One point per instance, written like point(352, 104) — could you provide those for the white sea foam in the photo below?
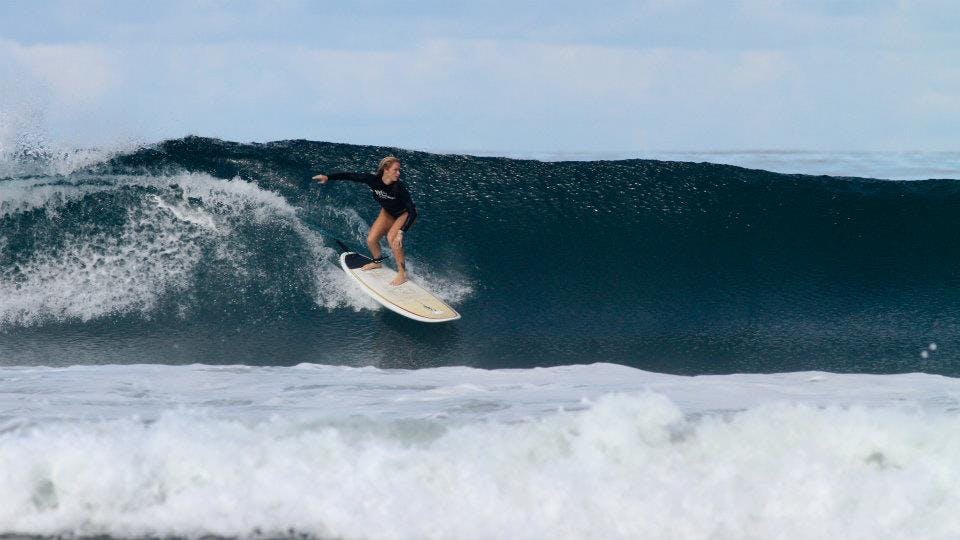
point(452, 288)
point(597, 451)
point(332, 288)
point(92, 274)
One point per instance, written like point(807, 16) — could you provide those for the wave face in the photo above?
point(598, 451)
point(200, 250)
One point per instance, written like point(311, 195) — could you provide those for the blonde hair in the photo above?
point(385, 164)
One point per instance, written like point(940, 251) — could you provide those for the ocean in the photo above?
point(714, 345)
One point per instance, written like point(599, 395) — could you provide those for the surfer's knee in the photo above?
point(394, 242)
point(374, 236)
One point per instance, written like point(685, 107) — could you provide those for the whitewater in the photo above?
point(598, 451)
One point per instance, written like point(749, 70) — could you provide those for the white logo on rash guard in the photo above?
point(383, 194)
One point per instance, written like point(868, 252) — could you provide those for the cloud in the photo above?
point(939, 103)
point(75, 74)
point(622, 75)
point(478, 73)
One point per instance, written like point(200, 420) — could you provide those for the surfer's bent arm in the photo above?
point(411, 208)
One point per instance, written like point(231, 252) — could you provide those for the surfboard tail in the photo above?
point(343, 247)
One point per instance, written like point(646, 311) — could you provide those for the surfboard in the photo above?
point(407, 299)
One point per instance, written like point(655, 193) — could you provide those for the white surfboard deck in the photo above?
point(408, 299)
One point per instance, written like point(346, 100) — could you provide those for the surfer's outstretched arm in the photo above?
point(353, 177)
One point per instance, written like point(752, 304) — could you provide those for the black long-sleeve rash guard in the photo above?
point(395, 198)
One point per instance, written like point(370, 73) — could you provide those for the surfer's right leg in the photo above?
point(377, 231)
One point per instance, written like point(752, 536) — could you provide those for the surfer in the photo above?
point(397, 212)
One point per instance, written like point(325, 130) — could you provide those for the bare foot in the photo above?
point(371, 266)
point(399, 280)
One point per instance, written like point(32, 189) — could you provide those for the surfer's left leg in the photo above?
point(395, 237)
point(379, 228)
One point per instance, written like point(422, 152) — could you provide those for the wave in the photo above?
point(669, 266)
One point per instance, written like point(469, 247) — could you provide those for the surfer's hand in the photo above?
point(322, 178)
point(397, 241)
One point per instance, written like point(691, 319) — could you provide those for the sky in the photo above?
point(491, 76)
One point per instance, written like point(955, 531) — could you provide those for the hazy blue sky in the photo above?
point(499, 75)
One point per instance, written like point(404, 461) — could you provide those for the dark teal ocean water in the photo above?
point(204, 251)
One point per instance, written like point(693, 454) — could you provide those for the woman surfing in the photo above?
point(397, 212)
